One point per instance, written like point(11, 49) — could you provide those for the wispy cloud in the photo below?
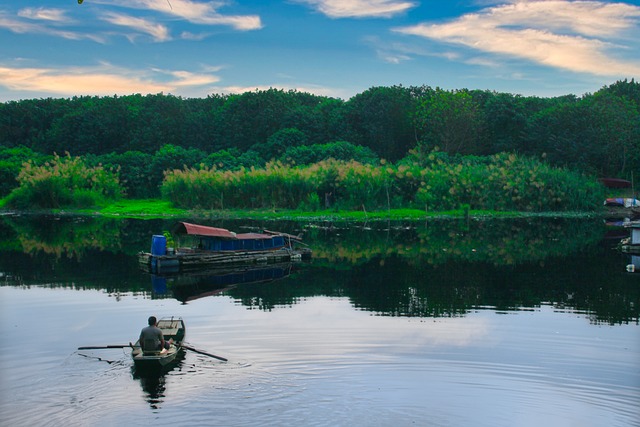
point(28, 27)
point(55, 22)
point(45, 14)
point(582, 36)
point(359, 8)
point(160, 33)
point(204, 13)
point(101, 80)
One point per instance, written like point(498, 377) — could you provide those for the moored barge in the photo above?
point(215, 247)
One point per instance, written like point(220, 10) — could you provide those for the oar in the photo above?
point(105, 346)
point(99, 358)
point(195, 350)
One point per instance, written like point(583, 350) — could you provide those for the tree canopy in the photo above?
point(596, 133)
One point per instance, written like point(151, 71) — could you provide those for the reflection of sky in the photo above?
point(328, 325)
point(319, 359)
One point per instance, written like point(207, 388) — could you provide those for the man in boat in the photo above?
point(153, 333)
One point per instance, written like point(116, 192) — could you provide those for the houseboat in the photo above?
point(216, 247)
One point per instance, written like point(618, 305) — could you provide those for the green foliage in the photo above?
point(595, 133)
point(280, 141)
point(233, 159)
point(381, 118)
point(169, 237)
point(63, 182)
point(134, 171)
point(339, 150)
point(311, 204)
point(172, 157)
point(450, 121)
point(504, 182)
point(11, 161)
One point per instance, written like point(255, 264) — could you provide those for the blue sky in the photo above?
point(337, 48)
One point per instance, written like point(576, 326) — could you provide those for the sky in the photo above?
point(335, 48)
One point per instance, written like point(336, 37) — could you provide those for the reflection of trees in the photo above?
point(498, 242)
point(441, 269)
point(83, 253)
point(395, 286)
point(68, 237)
point(402, 288)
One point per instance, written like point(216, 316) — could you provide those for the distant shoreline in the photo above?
point(158, 209)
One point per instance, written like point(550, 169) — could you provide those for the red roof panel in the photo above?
point(202, 230)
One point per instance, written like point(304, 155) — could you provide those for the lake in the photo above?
point(486, 322)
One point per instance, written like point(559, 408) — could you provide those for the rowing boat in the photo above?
point(174, 331)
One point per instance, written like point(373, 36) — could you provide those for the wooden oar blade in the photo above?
point(98, 347)
point(195, 350)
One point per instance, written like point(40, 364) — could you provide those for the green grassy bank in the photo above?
point(155, 208)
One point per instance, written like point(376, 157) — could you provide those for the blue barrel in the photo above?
point(159, 284)
point(158, 245)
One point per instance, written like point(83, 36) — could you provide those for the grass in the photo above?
point(144, 208)
point(155, 208)
point(151, 208)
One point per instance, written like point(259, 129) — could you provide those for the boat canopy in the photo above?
point(202, 230)
point(220, 233)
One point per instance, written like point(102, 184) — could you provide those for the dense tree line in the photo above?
point(388, 120)
point(143, 136)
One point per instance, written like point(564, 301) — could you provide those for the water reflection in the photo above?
point(433, 269)
point(153, 380)
point(496, 241)
point(189, 286)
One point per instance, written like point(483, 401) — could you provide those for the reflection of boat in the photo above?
point(152, 359)
point(634, 266)
point(219, 247)
point(187, 287)
point(153, 381)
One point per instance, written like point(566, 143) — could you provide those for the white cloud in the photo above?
point(359, 8)
point(23, 27)
point(186, 35)
point(195, 12)
point(159, 32)
point(50, 20)
point(579, 36)
point(41, 13)
point(101, 80)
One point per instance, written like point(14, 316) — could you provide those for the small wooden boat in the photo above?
point(174, 331)
point(615, 183)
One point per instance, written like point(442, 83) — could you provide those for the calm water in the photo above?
point(446, 323)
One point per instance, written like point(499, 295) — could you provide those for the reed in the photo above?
point(503, 182)
point(64, 181)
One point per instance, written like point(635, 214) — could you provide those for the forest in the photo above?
point(424, 146)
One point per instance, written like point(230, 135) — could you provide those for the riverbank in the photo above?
point(154, 208)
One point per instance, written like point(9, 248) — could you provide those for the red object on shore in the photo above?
point(615, 183)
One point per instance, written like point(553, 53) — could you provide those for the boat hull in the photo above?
point(189, 261)
point(159, 361)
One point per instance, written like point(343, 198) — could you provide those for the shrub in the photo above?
point(437, 182)
point(63, 182)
